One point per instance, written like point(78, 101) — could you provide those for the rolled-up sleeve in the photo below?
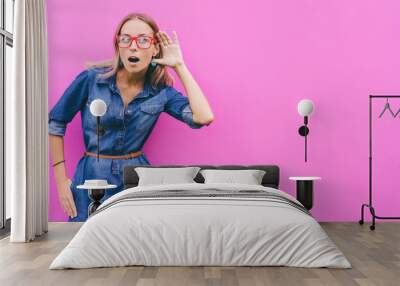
point(69, 104)
point(178, 106)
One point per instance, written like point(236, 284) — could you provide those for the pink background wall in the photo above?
point(255, 60)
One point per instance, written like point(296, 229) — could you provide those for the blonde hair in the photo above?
point(158, 76)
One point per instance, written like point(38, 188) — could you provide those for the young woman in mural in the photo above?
point(136, 87)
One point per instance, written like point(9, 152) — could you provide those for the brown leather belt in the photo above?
point(127, 156)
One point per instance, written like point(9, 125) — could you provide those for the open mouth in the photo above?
point(133, 59)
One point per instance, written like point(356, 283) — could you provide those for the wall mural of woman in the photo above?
point(136, 87)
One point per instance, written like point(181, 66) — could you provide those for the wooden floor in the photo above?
point(374, 255)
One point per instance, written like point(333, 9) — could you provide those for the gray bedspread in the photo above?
point(201, 224)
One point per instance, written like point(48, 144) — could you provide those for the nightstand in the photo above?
point(96, 191)
point(304, 190)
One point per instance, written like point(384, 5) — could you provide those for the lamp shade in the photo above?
point(98, 107)
point(305, 107)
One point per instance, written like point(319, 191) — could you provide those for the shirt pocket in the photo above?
point(148, 115)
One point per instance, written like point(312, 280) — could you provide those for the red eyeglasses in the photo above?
point(142, 41)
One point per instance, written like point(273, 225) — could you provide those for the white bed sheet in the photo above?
point(192, 231)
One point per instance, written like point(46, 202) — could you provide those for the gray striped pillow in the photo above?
point(161, 176)
point(248, 176)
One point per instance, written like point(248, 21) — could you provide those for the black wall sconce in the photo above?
point(305, 108)
point(98, 108)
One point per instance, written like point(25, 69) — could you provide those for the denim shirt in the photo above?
point(124, 129)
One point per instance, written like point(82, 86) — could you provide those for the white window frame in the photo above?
point(6, 39)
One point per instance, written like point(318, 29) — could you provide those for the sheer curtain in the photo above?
point(26, 124)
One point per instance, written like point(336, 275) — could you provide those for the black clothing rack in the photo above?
point(369, 205)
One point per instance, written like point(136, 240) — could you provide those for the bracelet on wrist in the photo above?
point(58, 163)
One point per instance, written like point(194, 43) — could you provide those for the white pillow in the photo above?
point(247, 176)
point(167, 175)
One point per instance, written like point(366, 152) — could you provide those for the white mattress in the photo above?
point(202, 231)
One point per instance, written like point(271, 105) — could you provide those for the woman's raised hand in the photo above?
point(65, 197)
point(172, 54)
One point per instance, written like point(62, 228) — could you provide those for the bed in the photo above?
point(199, 224)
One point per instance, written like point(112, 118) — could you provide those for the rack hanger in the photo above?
point(387, 107)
